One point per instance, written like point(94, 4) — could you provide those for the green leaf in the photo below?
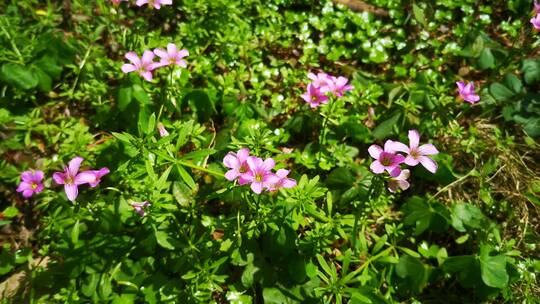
point(75, 233)
point(500, 92)
point(10, 212)
point(493, 269)
point(44, 80)
point(186, 177)
point(414, 271)
point(124, 97)
point(163, 239)
point(419, 15)
point(486, 60)
point(531, 71)
point(467, 215)
point(19, 76)
point(384, 129)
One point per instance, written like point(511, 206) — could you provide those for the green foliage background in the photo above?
point(467, 234)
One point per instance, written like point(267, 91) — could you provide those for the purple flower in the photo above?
point(337, 86)
point(536, 8)
point(143, 66)
point(171, 56)
point(259, 174)
point(237, 162)
point(320, 80)
point(93, 177)
point(399, 181)
point(70, 178)
point(139, 207)
point(417, 154)
point(535, 21)
point(385, 159)
point(466, 92)
point(162, 131)
point(314, 96)
point(31, 183)
point(154, 3)
point(280, 180)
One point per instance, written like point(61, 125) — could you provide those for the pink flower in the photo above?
point(237, 162)
point(139, 207)
point(154, 3)
point(171, 56)
point(535, 21)
point(320, 80)
point(385, 159)
point(337, 86)
point(399, 181)
point(536, 8)
point(70, 178)
point(144, 66)
point(117, 2)
point(314, 96)
point(280, 180)
point(466, 92)
point(30, 183)
point(259, 174)
point(417, 154)
point(162, 131)
point(93, 177)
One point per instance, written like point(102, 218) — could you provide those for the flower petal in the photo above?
point(230, 161)
point(74, 165)
point(394, 172)
point(232, 175)
point(86, 177)
point(414, 139)
point(242, 154)
point(288, 183)
point(268, 164)
point(376, 167)
point(396, 146)
point(59, 177)
point(257, 187)
point(72, 191)
point(375, 151)
point(428, 163)
point(411, 161)
point(161, 53)
point(428, 149)
point(133, 57)
point(127, 68)
point(147, 57)
point(171, 49)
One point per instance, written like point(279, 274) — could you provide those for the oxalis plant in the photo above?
point(226, 151)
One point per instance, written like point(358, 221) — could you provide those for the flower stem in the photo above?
point(189, 165)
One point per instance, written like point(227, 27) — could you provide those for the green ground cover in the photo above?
point(179, 214)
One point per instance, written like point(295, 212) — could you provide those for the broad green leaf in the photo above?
point(486, 60)
point(19, 76)
point(386, 128)
point(500, 92)
point(531, 70)
point(493, 269)
point(163, 239)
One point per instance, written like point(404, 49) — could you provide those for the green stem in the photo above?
point(323, 133)
point(189, 165)
point(13, 45)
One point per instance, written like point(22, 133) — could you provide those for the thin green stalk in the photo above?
point(13, 45)
point(189, 165)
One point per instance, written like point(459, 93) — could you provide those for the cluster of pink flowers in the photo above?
point(151, 3)
point(467, 93)
point(145, 65)
point(323, 84)
point(255, 171)
point(71, 178)
point(389, 160)
point(535, 21)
